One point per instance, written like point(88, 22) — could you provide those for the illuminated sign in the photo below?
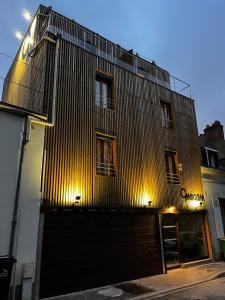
point(189, 196)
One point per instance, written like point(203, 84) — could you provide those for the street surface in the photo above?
point(212, 290)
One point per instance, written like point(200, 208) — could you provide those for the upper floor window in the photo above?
point(105, 155)
point(103, 88)
point(209, 156)
point(171, 167)
point(166, 114)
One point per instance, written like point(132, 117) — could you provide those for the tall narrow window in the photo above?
point(166, 114)
point(210, 156)
point(171, 167)
point(104, 92)
point(105, 156)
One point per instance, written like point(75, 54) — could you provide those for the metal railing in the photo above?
point(94, 43)
point(172, 178)
point(106, 169)
point(104, 102)
point(166, 123)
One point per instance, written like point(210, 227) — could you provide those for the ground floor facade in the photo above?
point(88, 248)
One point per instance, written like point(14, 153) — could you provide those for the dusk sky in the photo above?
point(185, 37)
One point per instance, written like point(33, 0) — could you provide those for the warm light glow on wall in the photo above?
point(146, 199)
point(194, 204)
point(171, 209)
point(73, 196)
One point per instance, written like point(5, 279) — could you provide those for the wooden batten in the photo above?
point(135, 122)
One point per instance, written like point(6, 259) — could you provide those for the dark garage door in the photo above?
point(87, 250)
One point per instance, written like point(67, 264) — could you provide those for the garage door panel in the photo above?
point(105, 249)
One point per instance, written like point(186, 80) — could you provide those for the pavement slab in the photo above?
point(152, 286)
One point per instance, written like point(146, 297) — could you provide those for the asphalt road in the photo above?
point(212, 290)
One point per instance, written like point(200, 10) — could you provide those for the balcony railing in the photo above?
point(172, 178)
point(104, 102)
point(78, 35)
point(105, 169)
point(166, 123)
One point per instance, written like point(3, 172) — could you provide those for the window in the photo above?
point(104, 92)
point(209, 156)
point(171, 167)
point(105, 156)
point(166, 114)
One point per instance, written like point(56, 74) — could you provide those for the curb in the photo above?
point(181, 287)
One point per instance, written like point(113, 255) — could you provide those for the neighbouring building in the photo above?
point(21, 152)
point(122, 195)
point(213, 177)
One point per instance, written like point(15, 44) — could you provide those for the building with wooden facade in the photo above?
point(122, 192)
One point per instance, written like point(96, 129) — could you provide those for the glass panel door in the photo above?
point(193, 244)
point(170, 241)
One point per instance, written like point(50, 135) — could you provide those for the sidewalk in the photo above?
point(151, 286)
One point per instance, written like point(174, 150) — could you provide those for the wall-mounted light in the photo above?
point(146, 200)
point(171, 209)
point(18, 35)
point(27, 15)
point(194, 204)
point(180, 167)
point(149, 204)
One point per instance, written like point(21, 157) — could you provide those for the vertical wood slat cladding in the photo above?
point(25, 81)
point(136, 125)
point(96, 249)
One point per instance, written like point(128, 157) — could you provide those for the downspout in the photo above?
point(16, 202)
point(51, 124)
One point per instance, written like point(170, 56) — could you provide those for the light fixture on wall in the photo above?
point(77, 199)
point(180, 167)
point(149, 204)
point(194, 204)
point(171, 209)
point(27, 15)
point(146, 200)
point(18, 35)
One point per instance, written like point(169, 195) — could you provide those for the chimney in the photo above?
point(214, 132)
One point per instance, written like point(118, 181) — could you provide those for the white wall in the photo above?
point(30, 195)
point(213, 191)
point(11, 129)
point(26, 239)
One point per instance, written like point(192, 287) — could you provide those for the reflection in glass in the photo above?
point(193, 243)
point(170, 241)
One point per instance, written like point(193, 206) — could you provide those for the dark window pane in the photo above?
point(171, 168)
point(104, 93)
point(105, 156)
point(192, 237)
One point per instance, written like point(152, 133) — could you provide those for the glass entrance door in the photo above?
point(184, 238)
point(170, 241)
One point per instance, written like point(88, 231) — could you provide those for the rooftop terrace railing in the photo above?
point(80, 36)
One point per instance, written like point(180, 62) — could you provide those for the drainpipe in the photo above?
point(52, 120)
point(16, 202)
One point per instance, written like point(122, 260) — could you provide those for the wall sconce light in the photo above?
point(149, 204)
point(77, 199)
point(27, 15)
point(171, 209)
point(18, 35)
point(180, 167)
point(194, 204)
